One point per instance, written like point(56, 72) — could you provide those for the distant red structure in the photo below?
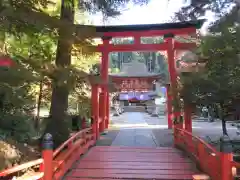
point(6, 61)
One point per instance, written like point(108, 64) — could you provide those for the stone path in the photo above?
point(159, 127)
point(140, 129)
point(134, 131)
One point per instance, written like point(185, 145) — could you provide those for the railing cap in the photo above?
point(47, 142)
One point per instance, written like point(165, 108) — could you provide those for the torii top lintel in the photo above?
point(186, 27)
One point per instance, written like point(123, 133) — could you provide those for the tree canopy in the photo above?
point(218, 84)
point(52, 59)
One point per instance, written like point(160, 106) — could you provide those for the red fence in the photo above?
point(60, 160)
point(218, 165)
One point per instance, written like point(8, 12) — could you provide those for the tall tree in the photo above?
point(60, 89)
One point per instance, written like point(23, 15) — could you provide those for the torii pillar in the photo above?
point(104, 101)
point(169, 40)
point(188, 118)
point(95, 109)
point(169, 107)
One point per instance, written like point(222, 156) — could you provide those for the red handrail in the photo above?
point(62, 146)
point(208, 158)
point(236, 164)
point(199, 139)
point(218, 165)
point(21, 167)
point(62, 159)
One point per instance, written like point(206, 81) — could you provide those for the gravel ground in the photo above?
point(164, 136)
point(201, 128)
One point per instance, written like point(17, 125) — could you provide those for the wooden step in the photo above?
point(133, 163)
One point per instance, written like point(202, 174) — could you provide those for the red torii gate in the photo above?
point(168, 31)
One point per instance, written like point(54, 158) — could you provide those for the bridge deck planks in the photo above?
point(127, 163)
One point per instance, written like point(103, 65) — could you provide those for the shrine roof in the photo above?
point(145, 27)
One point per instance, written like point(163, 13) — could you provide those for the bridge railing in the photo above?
point(218, 165)
point(54, 163)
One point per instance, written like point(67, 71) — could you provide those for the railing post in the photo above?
point(226, 158)
point(201, 154)
point(169, 108)
point(83, 123)
point(176, 136)
point(187, 118)
point(47, 155)
point(94, 127)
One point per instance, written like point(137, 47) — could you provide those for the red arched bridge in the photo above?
point(79, 159)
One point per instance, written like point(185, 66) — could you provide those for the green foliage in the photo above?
point(220, 80)
point(42, 39)
point(17, 126)
point(197, 8)
point(219, 84)
point(60, 132)
point(108, 8)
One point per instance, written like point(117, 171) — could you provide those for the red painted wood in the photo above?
point(107, 111)
point(137, 150)
point(102, 173)
point(187, 119)
point(144, 47)
point(132, 83)
point(139, 176)
point(6, 62)
point(72, 178)
point(127, 148)
point(101, 113)
point(226, 166)
point(95, 109)
point(135, 154)
point(166, 160)
point(151, 33)
point(104, 75)
point(135, 158)
point(169, 108)
point(133, 163)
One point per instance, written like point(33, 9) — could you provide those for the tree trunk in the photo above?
point(39, 102)
point(224, 126)
point(59, 101)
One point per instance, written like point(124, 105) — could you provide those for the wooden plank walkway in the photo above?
point(112, 162)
